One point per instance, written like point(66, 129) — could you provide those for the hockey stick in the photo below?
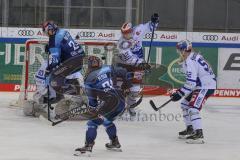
point(69, 114)
point(150, 47)
point(48, 93)
point(157, 108)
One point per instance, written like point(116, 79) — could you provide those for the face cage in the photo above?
point(128, 35)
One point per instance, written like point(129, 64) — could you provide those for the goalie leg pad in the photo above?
point(30, 108)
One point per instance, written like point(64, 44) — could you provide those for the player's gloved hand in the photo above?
point(177, 95)
point(144, 66)
point(126, 85)
point(155, 18)
point(92, 109)
point(47, 72)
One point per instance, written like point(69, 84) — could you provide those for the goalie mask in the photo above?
point(127, 30)
point(184, 47)
point(49, 28)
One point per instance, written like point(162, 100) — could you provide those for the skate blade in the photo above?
point(84, 154)
point(196, 141)
point(115, 149)
point(182, 137)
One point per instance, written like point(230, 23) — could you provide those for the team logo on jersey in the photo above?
point(175, 72)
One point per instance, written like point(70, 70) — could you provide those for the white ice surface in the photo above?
point(25, 138)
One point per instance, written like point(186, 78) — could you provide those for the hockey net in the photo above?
point(35, 55)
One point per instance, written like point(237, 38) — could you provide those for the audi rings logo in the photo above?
point(87, 34)
point(210, 37)
point(25, 32)
point(149, 36)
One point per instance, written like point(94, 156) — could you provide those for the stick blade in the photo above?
point(153, 105)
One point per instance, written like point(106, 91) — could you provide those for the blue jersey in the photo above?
point(62, 47)
point(102, 80)
point(98, 80)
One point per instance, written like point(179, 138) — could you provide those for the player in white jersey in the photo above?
point(200, 84)
point(38, 104)
point(131, 56)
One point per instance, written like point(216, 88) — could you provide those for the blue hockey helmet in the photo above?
point(49, 28)
point(184, 45)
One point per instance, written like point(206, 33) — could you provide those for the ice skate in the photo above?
point(132, 112)
point(86, 149)
point(114, 145)
point(188, 131)
point(196, 138)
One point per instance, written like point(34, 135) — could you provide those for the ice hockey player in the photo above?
point(66, 56)
point(38, 105)
point(200, 84)
point(104, 101)
point(131, 56)
point(65, 59)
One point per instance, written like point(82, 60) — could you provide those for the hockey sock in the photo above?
point(91, 134)
point(111, 131)
point(195, 118)
point(186, 117)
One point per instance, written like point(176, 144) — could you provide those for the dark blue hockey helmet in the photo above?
point(49, 28)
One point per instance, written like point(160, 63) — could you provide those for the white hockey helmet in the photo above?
point(184, 45)
point(126, 28)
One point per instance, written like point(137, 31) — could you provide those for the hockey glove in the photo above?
point(155, 18)
point(47, 48)
point(177, 95)
point(47, 72)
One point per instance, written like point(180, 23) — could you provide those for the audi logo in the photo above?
point(25, 32)
point(87, 34)
point(149, 36)
point(210, 37)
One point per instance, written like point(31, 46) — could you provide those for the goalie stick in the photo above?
point(48, 93)
point(157, 108)
point(69, 114)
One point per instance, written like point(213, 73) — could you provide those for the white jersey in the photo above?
point(125, 56)
point(137, 37)
point(199, 74)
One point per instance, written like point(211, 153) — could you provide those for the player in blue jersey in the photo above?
point(66, 56)
point(104, 100)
